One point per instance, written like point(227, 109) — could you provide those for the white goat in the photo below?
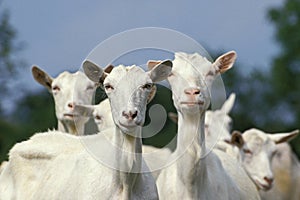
point(101, 113)
point(218, 123)
point(284, 164)
point(211, 116)
point(196, 174)
point(259, 171)
point(67, 89)
point(286, 170)
point(257, 151)
point(55, 165)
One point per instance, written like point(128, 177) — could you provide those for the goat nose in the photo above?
point(71, 105)
point(192, 91)
point(269, 180)
point(130, 115)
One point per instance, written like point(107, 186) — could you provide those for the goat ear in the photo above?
point(161, 71)
point(225, 62)
point(84, 110)
point(152, 94)
point(108, 68)
point(173, 117)
point(42, 77)
point(228, 104)
point(94, 72)
point(237, 139)
point(152, 63)
point(283, 137)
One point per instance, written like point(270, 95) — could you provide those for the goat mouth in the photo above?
point(191, 103)
point(262, 186)
point(128, 126)
point(70, 115)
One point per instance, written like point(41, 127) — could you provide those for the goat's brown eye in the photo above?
point(56, 88)
point(98, 117)
point(147, 86)
point(247, 151)
point(108, 87)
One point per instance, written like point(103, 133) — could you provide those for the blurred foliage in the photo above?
point(33, 113)
point(268, 100)
point(163, 97)
point(9, 63)
point(285, 71)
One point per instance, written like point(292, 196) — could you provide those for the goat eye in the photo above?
point(98, 117)
point(274, 153)
point(108, 87)
point(147, 86)
point(89, 88)
point(56, 88)
point(247, 151)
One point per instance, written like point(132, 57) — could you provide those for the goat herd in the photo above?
point(67, 164)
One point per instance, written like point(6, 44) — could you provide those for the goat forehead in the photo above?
point(131, 75)
point(191, 64)
point(67, 78)
point(259, 140)
point(253, 134)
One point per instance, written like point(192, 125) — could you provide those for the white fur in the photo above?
point(286, 170)
point(258, 166)
point(259, 149)
point(101, 114)
point(68, 89)
point(218, 127)
point(196, 174)
point(54, 165)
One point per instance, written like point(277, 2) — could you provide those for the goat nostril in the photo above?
point(133, 115)
point(130, 115)
point(125, 114)
point(71, 105)
point(192, 91)
point(269, 180)
point(196, 91)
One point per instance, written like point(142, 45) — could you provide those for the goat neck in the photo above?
point(72, 127)
point(128, 155)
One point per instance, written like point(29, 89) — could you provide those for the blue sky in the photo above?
point(60, 34)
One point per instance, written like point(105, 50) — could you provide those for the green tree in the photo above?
point(286, 66)
point(9, 46)
point(9, 67)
